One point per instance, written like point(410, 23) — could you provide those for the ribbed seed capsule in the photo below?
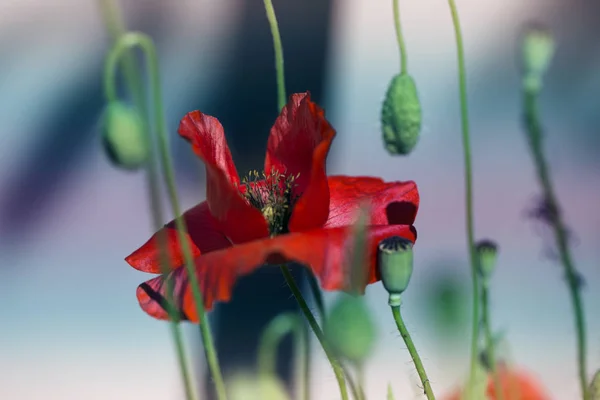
point(395, 266)
point(401, 115)
point(123, 137)
point(487, 253)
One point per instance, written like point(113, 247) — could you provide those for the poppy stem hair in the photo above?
point(117, 29)
point(464, 114)
point(135, 39)
point(335, 364)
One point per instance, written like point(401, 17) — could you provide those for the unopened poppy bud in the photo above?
point(401, 115)
point(537, 51)
point(248, 387)
point(123, 136)
point(395, 266)
point(487, 253)
point(594, 390)
point(350, 329)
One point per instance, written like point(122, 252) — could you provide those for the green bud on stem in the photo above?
point(395, 266)
point(487, 254)
point(350, 329)
point(401, 115)
point(124, 137)
point(537, 50)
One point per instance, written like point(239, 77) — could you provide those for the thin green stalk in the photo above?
point(462, 77)
point(317, 294)
point(145, 43)
point(489, 341)
point(116, 28)
point(337, 369)
point(400, 38)
point(278, 54)
point(534, 131)
point(413, 352)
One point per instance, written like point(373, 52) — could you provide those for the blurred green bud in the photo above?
point(395, 266)
point(262, 387)
point(487, 254)
point(401, 115)
point(594, 390)
point(350, 329)
point(537, 49)
point(123, 137)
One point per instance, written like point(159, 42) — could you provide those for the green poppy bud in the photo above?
point(537, 49)
point(594, 390)
point(350, 329)
point(123, 137)
point(401, 115)
point(487, 253)
point(395, 266)
point(262, 387)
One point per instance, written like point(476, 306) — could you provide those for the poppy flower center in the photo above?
point(273, 195)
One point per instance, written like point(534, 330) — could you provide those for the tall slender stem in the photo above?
point(116, 28)
point(278, 53)
point(400, 38)
point(143, 41)
point(554, 215)
point(413, 352)
point(489, 341)
point(462, 77)
point(337, 369)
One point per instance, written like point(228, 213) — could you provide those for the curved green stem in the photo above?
point(317, 294)
point(278, 328)
point(413, 352)
point(135, 39)
point(337, 369)
point(278, 53)
point(462, 77)
point(534, 134)
point(117, 29)
point(489, 341)
point(400, 38)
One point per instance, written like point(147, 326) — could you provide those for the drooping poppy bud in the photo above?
point(537, 50)
point(594, 390)
point(263, 387)
point(123, 137)
point(487, 254)
point(395, 266)
point(350, 329)
point(401, 115)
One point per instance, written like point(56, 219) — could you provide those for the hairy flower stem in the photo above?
point(400, 38)
point(135, 39)
point(117, 29)
point(337, 368)
point(462, 78)
point(489, 341)
point(413, 352)
point(278, 54)
point(534, 136)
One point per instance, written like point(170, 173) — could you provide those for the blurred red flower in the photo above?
point(516, 385)
point(291, 212)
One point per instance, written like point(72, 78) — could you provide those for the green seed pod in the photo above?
point(350, 329)
point(395, 266)
point(401, 115)
point(487, 253)
point(537, 49)
point(123, 137)
point(594, 390)
point(263, 387)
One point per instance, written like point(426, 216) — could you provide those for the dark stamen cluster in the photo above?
point(272, 194)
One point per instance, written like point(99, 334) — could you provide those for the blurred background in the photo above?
point(71, 326)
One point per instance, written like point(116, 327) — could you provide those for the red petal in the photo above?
point(323, 251)
point(298, 144)
point(239, 220)
point(204, 236)
point(394, 203)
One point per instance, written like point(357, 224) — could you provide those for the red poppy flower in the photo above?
point(291, 212)
point(516, 385)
